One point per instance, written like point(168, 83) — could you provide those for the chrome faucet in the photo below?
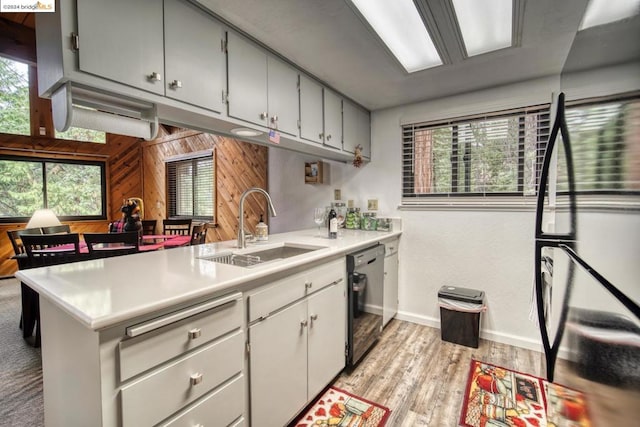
point(241, 236)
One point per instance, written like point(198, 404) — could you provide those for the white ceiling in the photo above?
point(328, 39)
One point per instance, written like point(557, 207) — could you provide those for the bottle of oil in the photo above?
point(332, 221)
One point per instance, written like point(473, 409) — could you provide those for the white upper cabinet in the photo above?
point(262, 89)
point(247, 68)
point(194, 58)
point(311, 120)
point(332, 119)
point(282, 96)
point(123, 41)
point(357, 129)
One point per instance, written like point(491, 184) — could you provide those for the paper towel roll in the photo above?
point(66, 115)
point(112, 123)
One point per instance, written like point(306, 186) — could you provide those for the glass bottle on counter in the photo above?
point(332, 221)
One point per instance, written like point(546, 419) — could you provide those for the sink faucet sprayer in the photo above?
point(241, 238)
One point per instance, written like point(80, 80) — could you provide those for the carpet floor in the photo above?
point(21, 402)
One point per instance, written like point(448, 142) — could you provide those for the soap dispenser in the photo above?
point(262, 231)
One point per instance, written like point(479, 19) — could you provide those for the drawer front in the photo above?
point(285, 291)
point(221, 407)
point(175, 385)
point(157, 346)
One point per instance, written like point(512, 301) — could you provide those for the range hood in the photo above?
point(75, 106)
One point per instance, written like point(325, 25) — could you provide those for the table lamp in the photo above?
point(43, 218)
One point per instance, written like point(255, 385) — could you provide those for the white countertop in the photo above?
point(103, 292)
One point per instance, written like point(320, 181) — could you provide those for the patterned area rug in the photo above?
point(340, 408)
point(499, 397)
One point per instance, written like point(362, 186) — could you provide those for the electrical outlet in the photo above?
point(337, 194)
point(372, 204)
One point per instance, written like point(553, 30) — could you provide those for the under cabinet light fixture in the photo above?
point(245, 132)
point(485, 25)
point(401, 28)
point(601, 12)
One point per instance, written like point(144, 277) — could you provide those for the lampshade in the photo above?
point(43, 218)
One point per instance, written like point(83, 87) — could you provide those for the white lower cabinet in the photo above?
point(181, 367)
point(297, 349)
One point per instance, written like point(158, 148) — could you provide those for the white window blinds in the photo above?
point(191, 188)
point(492, 154)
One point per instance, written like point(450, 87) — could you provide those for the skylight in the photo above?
point(485, 25)
point(601, 12)
point(400, 26)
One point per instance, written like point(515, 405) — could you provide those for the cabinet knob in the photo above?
point(308, 285)
point(274, 119)
point(303, 324)
point(263, 116)
point(320, 135)
point(176, 84)
point(314, 317)
point(195, 379)
point(328, 137)
point(155, 77)
point(194, 333)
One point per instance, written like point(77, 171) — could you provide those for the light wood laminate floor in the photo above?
point(421, 378)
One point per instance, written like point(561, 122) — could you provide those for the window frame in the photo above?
point(47, 160)
point(193, 157)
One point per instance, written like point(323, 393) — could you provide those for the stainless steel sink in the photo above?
point(259, 256)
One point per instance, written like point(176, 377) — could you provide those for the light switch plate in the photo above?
point(372, 204)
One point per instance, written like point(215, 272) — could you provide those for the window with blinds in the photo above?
point(191, 188)
point(605, 143)
point(489, 155)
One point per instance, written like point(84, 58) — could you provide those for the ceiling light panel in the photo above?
point(485, 25)
point(601, 12)
point(400, 27)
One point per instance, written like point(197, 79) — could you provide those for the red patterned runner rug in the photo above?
point(338, 407)
point(499, 397)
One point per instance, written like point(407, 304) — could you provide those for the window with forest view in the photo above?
point(14, 97)
point(490, 155)
point(605, 141)
point(191, 188)
point(73, 190)
point(15, 108)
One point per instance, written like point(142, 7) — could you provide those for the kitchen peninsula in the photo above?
point(172, 337)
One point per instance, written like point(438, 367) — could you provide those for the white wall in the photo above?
point(484, 249)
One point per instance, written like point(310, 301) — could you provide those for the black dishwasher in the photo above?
point(365, 270)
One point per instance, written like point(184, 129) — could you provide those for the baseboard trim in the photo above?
point(514, 340)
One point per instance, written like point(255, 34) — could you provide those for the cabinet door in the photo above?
point(327, 337)
point(122, 40)
point(357, 130)
point(332, 119)
point(311, 119)
point(284, 110)
point(247, 70)
point(194, 65)
point(278, 363)
point(390, 294)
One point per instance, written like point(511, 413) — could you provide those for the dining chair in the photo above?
point(176, 226)
point(20, 255)
point(103, 245)
point(199, 234)
point(56, 229)
point(149, 227)
point(44, 250)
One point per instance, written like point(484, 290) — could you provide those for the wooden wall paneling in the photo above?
point(17, 41)
point(41, 117)
point(125, 172)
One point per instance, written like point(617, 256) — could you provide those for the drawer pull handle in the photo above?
point(196, 379)
point(308, 285)
point(195, 333)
